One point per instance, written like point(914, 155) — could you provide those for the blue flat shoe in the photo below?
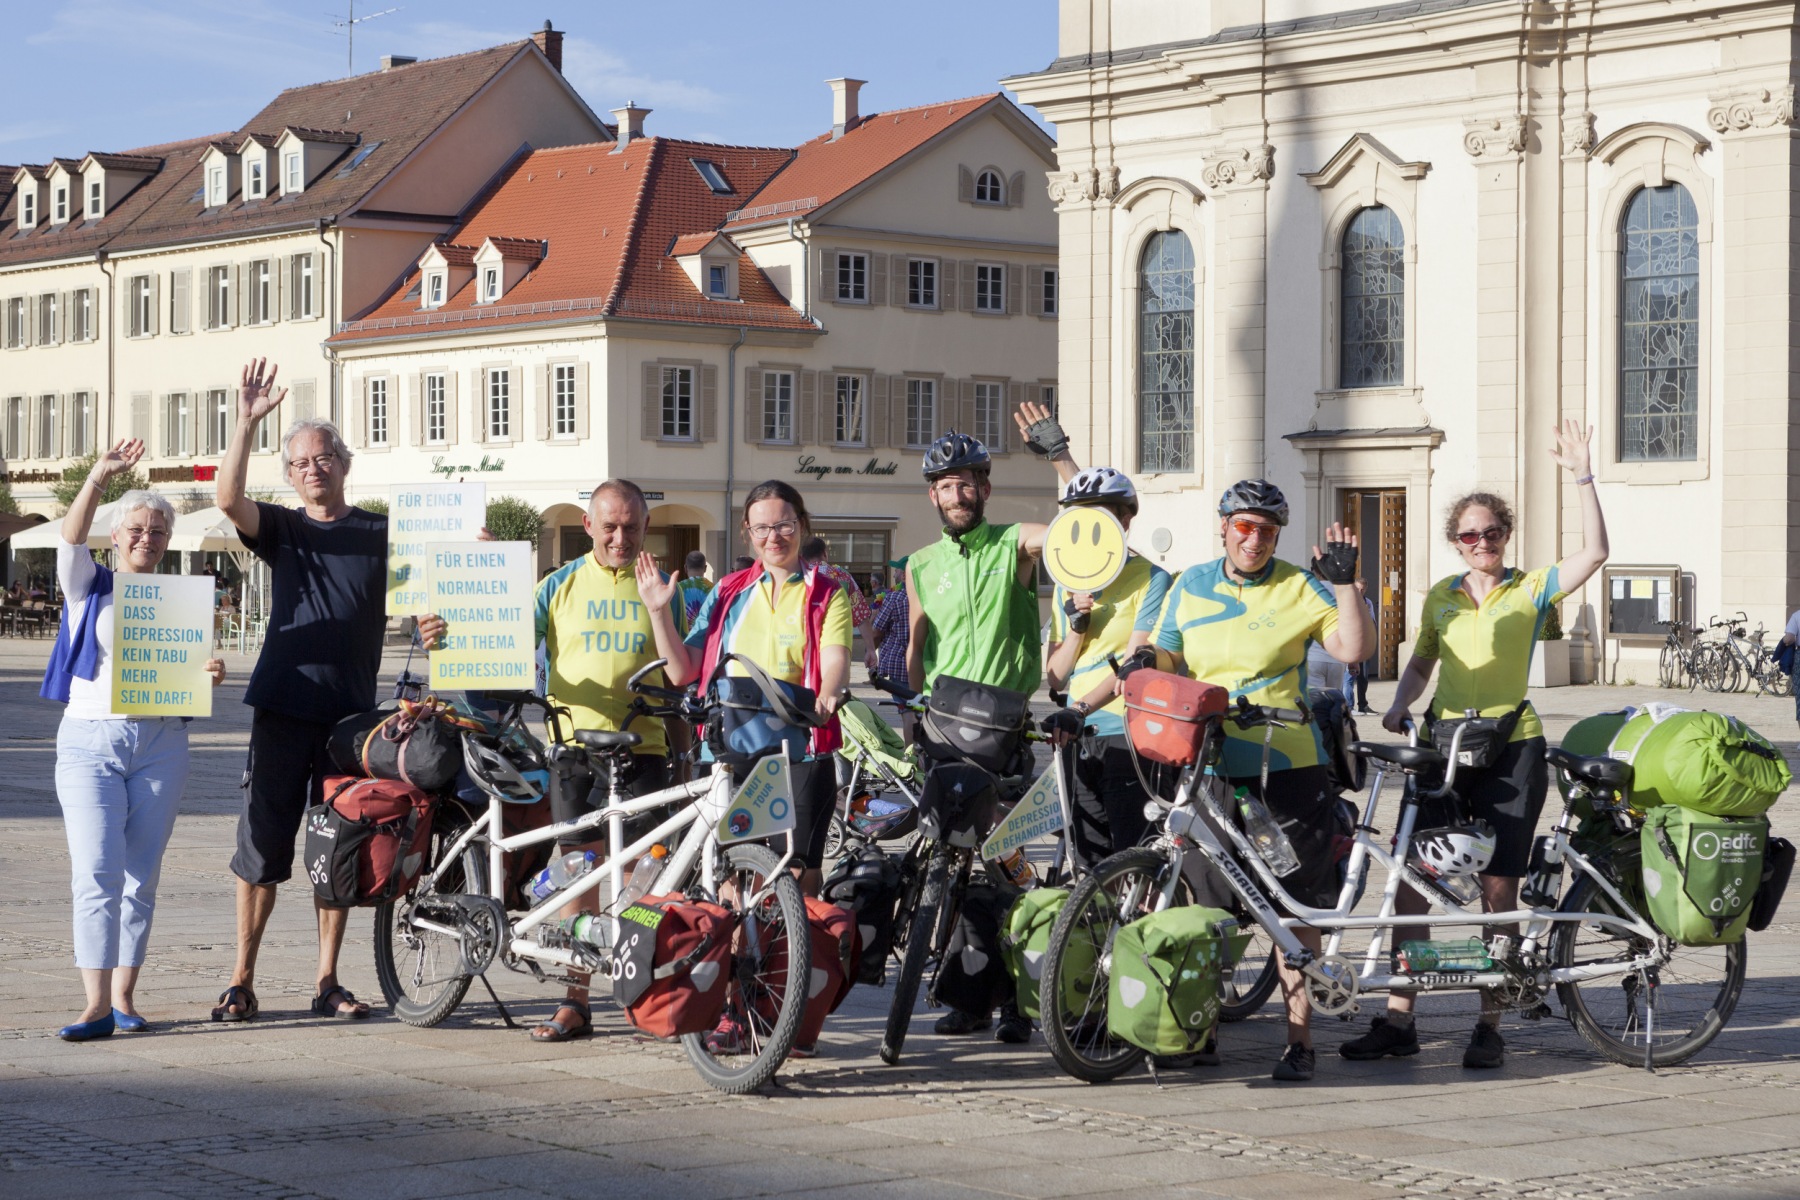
point(126, 1023)
point(87, 1031)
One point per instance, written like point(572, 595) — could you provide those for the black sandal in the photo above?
point(555, 1031)
point(325, 1005)
point(236, 996)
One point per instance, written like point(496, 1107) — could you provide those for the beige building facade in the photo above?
point(1376, 254)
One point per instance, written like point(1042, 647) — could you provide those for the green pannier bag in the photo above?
point(1027, 936)
point(1705, 761)
point(1701, 873)
point(1590, 737)
point(1163, 991)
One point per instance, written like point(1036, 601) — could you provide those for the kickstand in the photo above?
point(1649, 1021)
point(1150, 1062)
point(504, 1015)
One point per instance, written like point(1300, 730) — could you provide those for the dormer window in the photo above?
point(253, 179)
point(989, 189)
point(490, 284)
point(713, 177)
point(718, 281)
point(96, 194)
point(434, 289)
point(215, 185)
point(28, 214)
point(293, 176)
point(59, 204)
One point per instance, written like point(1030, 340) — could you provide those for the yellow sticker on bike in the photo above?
point(1037, 814)
point(763, 806)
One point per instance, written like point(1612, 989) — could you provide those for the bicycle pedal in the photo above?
point(1536, 1013)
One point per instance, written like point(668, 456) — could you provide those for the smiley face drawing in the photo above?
point(1084, 548)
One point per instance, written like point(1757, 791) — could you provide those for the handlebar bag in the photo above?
point(1483, 740)
point(1701, 873)
point(367, 842)
point(671, 969)
point(413, 742)
point(1166, 973)
point(1166, 715)
point(973, 722)
point(868, 882)
point(749, 726)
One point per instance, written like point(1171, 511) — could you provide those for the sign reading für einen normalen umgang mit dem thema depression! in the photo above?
point(483, 591)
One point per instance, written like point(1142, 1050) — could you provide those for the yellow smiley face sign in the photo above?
point(1084, 549)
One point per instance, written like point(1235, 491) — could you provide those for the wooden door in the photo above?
point(1379, 519)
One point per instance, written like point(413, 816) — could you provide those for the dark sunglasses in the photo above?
point(1492, 533)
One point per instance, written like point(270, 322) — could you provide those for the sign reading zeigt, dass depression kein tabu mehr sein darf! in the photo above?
point(483, 591)
point(421, 515)
point(162, 637)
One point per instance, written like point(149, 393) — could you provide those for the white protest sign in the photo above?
point(162, 637)
point(1038, 814)
point(764, 805)
point(419, 515)
point(484, 592)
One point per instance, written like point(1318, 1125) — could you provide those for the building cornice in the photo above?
point(1754, 110)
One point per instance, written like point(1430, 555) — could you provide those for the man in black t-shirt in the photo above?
point(328, 571)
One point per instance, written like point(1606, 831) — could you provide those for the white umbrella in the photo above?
point(48, 536)
point(209, 531)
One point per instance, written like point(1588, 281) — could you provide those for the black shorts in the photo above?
point(1509, 795)
point(1301, 802)
point(585, 791)
point(1109, 801)
point(285, 772)
point(815, 796)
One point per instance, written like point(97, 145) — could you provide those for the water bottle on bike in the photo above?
point(1264, 832)
point(561, 873)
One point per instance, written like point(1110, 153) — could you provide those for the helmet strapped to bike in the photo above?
point(955, 452)
point(1465, 848)
point(1101, 485)
point(496, 773)
point(1255, 495)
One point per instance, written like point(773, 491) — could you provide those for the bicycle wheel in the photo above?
point(1708, 666)
point(1253, 978)
point(1072, 994)
point(921, 937)
point(1668, 666)
point(770, 970)
point(1696, 990)
point(420, 971)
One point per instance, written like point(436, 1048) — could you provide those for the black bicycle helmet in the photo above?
point(1101, 485)
point(1255, 495)
point(955, 452)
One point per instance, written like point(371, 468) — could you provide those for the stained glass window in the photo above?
point(1659, 326)
point(1166, 354)
point(1372, 352)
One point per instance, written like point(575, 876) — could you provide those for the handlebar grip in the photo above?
point(882, 683)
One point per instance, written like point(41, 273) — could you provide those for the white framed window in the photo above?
point(265, 438)
point(434, 289)
point(178, 425)
point(378, 412)
point(293, 175)
point(990, 287)
point(490, 284)
point(990, 411)
point(215, 185)
point(59, 204)
point(499, 404)
point(253, 179)
point(303, 287)
point(48, 446)
point(718, 281)
point(142, 302)
point(219, 312)
point(852, 277)
point(17, 421)
point(437, 410)
point(1048, 299)
point(15, 322)
point(260, 293)
point(46, 310)
point(921, 411)
point(922, 282)
point(218, 420)
point(778, 406)
point(28, 207)
point(850, 411)
point(678, 403)
point(1047, 397)
point(81, 316)
point(990, 188)
point(562, 400)
point(81, 423)
point(95, 200)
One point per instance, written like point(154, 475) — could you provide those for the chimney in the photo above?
point(390, 61)
point(550, 42)
point(630, 120)
point(844, 117)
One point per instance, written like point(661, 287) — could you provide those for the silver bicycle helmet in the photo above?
point(497, 775)
point(955, 452)
point(1255, 495)
point(1101, 485)
point(1462, 849)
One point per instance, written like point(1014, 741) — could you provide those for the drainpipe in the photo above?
point(330, 290)
point(731, 409)
point(100, 259)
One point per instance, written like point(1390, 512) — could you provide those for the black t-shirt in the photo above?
point(326, 621)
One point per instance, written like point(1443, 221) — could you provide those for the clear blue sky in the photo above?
point(112, 74)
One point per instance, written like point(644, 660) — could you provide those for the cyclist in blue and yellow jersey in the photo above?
point(1478, 629)
point(1086, 630)
point(1243, 622)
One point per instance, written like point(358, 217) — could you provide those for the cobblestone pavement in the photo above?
point(294, 1106)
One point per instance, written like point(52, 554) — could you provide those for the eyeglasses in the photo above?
point(951, 486)
point(786, 529)
point(1253, 528)
point(139, 533)
point(320, 462)
point(1492, 533)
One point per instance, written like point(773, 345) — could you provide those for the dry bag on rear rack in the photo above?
point(671, 969)
point(1166, 715)
point(1705, 761)
point(418, 743)
point(975, 723)
point(1701, 873)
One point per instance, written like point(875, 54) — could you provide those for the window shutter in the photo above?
point(1015, 190)
point(652, 400)
point(231, 418)
point(827, 277)
point(1015, 396)
point(897, 279)
point(1012, 290)
point(965, 286)
point(140, 417)
point(452, 413)
point(546, 403)
point(65, 303)
point(1034, 291)
point(304, 399)
point(279, 269)
point(234, 312)
point(878, 411)
point(709, 403)
point(59, 317)
point(478, 426)
point(947, 274)
point(180, 292)
point(753, 405)
point(806, 408)
point(878, 278)
point(897, 411)
point(415, 409)
point(581, 400)
point(965, 185)
point(155, 303)
point(964, 407)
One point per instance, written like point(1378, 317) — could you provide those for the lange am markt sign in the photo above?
point(809, 464)
point(441, 466)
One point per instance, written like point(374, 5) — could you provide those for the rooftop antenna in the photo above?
point(349, 24)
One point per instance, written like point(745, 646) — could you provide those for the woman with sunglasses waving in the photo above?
point(1482, 626)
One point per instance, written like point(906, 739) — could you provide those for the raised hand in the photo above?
point(1040, 431)
point(653, 589)
point(120, 459)
point(1336, 564)
point(1572, 452)
point(257, 397)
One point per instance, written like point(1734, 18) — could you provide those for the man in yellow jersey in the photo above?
point(1243, 622)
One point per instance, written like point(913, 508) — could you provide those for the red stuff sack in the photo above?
point(367, 842)
point(836, 963)
point(671, 969)
point(1166, 715)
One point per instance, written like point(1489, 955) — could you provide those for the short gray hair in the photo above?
point(139, 499)
point(321, 425)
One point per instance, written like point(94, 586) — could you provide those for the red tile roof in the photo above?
point(824, 170)
point(346, 137)
point(525, 248)
point(81, 237)
point(606, 219)
point(692, 243)
point(457, 256)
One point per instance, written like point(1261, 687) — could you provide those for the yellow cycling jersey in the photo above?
point(770, 630)
point(1129, 604)
point(1483, 651)
point(1250, 639)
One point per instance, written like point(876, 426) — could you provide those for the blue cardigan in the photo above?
point(76, 654)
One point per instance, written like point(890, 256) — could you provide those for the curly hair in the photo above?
point(1502, 511)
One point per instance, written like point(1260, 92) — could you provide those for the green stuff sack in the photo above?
point(1705, 761)
point(1590, 737)
point(1163, 991)
point(1027, 936)
point(1701, 873)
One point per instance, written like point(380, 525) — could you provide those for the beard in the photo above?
point(963, 516)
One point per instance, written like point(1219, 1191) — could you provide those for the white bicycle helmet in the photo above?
point(1101, 485)
point(496, 774)
point(1462, 849)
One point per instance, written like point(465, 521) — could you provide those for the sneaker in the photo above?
point(1205, 1056)
point(811, 1051)
point(1296, 1066)
point(1015, 1026)
point(727, 1037)
point(1384, 1038)
point(956, 1023)
point(1486, 1047)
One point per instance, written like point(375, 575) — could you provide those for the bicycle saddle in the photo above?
point(1407, 758)
point(1607, 772)
point(607, 739)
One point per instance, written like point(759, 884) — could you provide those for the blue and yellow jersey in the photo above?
point(596, 634)
point(1483, 651)
point(1129, 604)
point(1250, 639)
point(770, 630)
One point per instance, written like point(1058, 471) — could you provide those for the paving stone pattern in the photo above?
point(293, 1106)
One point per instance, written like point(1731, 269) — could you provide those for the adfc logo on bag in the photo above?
point(764, 805)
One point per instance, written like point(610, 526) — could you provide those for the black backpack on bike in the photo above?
point(973, 977)
point(867, 882)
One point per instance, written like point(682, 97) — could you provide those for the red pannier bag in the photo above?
point(836, 962)
point(1166, 715)
point(366, 844)
point(671, 969)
